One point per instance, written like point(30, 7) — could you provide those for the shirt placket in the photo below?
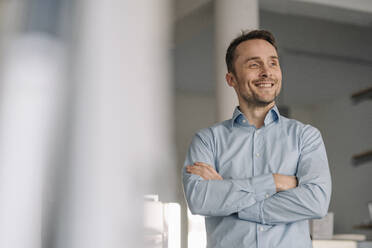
point(258, 163)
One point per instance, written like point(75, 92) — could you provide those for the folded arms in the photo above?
point(267, 198)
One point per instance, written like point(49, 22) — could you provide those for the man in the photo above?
point(258, 177)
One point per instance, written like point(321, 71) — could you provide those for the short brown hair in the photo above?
point(250, 35)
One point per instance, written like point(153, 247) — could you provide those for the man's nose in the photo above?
point(265, 71)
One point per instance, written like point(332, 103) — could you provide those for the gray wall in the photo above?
point(346, 129)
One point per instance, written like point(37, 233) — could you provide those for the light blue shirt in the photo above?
point(244, 209)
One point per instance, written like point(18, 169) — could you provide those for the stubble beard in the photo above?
point(257, 101)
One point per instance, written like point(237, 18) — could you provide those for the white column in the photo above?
point(122, 128)
point(231, 17)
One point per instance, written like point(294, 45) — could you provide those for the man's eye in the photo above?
point(254, 65)
point(273, 64)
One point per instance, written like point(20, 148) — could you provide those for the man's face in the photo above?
point(257, 78)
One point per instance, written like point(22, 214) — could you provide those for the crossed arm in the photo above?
point(266, 199)
point(207, 172)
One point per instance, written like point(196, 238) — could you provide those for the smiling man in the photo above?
point(257, 177)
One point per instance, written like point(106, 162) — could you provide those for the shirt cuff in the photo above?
point(264, 186)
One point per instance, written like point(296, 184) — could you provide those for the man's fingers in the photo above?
point(206, 166)
point(190, 168)
point(198, 170)
point(202, 164)
point(206, 172)
point(193, 169)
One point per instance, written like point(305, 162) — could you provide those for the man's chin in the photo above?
point(264, 103)
point(260, 101)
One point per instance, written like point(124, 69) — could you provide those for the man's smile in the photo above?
point(264, 84)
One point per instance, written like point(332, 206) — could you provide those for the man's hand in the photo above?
point(284, 182)
point(204, 170)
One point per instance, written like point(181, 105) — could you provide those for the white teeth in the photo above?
point(264, 85)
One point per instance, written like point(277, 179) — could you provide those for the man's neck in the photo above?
point(255, 114)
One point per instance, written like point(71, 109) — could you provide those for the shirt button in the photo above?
point(261, 229)
point(258, 132)
point(243, 121)
point(257, 154)
point(267, 196)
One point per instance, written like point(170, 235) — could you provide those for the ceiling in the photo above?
point(358, 12)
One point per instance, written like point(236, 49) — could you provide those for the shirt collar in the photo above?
point(272, 115)
point(236, 114)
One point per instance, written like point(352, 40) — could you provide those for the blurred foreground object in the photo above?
point(162, 223)
point(31, 77)
point(28, 116)
point(84, 120)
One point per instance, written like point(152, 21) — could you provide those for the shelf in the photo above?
point(334, 244)
point(362, 94)
point(364, 226)
point(362, 157)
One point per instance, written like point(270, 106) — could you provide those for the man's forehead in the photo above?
point(256, 48)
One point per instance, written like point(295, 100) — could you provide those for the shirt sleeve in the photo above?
point(310, 200)
point(220, 197)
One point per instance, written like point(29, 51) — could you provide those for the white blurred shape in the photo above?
point(122, 119)
point(173, 222)
point(29, 109)
point(197, 236)
point(162, 222)
point(154, 217)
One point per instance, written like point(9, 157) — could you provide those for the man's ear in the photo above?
point(230, 79)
